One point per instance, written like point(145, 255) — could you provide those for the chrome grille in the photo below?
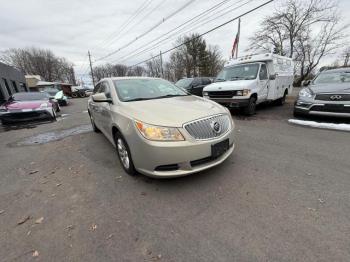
point(204, 128)
point(328, 97)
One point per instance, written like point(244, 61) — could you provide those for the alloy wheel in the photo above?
point(123, 154)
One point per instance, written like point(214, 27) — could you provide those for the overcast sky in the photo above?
point(72, 27)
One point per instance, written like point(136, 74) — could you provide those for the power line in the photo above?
point(125, 25)
point(169, 38)
point(149, 30)
point(207, 32)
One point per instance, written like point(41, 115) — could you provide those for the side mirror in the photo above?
point(272, 77)
point(100, 98)
point(305, 82)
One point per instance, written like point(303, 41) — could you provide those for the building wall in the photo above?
point(11, 81)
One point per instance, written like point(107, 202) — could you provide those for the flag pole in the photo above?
point(239, 35)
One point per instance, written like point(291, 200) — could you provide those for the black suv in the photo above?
point(194, 85)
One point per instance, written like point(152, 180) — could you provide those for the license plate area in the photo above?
point(220, 148)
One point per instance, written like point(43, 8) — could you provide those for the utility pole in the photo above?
point(161, 64)
point(92, 72)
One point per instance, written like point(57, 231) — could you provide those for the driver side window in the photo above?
point(263, 72)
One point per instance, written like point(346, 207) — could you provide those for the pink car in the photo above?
point(26, 106)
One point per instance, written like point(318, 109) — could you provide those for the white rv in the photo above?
point(251, 80)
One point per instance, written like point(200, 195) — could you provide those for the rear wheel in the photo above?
point(250, 109)
point(124, 154)
point(282, 100)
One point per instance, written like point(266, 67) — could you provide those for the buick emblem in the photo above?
point(336, 97)
point(216, 127)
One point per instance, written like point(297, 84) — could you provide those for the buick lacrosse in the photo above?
point(158, 128)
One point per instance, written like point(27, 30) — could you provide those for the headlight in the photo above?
point(305, 92)
point(244, 92)
point(44, 105)
point(3, 109)
point(159, 133)
point(205, 94)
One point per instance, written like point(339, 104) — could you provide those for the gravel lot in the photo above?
point(282, 196)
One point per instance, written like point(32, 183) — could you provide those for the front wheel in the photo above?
point(124, 154)
point(94, 127)
point(53, 115)
point(250, 109)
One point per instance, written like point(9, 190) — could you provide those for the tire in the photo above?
point(297, 114)
point(53, 119)
point(82, 95)
point(74, 95)
point(94, 127)
point(250, 109)
point(281, 101)
point(124, 154)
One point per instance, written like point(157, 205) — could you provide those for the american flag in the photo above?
point(234, 52)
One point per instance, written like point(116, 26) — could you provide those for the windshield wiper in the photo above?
point(220, 80)
point(138, 99)
point(166, 96)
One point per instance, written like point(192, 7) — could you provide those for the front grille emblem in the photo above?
point(336, 97)
point(216, 127)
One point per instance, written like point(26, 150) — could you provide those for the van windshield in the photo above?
point(239, 72)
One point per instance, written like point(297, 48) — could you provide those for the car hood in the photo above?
point(172, 112)
point(229, 85)
point(13, 105)
point(330, 88)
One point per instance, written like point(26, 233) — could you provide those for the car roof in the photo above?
point(128, 78)
point(339, 70)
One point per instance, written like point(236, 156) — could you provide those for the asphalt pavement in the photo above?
point(282, 196)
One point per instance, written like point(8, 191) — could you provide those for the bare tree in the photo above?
point(281, 30)
point(136, 71)
point(154, 68)
point(35, 61)
point(306, 31)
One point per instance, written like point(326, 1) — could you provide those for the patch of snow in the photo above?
point(341, 127)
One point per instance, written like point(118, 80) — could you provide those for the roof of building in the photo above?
point(37, 77)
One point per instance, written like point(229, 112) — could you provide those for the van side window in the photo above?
point(263, 72)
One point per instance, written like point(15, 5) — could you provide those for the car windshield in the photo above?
point(51, 91)
point(146, 89)
point(239, 72)
point(332, 78)
point(29, 96)
point(184, 83)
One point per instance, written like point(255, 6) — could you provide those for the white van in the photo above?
point(251, 80)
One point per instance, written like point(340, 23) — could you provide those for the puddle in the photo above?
point(44, 138)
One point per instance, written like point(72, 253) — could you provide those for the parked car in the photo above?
point(25, 106)
point(56, 94)
point(194, 85)
point(328, 94)
point(251, 80)
point(159, 129)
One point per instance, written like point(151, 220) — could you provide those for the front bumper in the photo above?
point(21, 116)
point(175, 159)
point(231, 102)
point(322, 108)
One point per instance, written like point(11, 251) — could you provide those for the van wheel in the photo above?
point(282, 100)
point(124, 154)
point(250, 109)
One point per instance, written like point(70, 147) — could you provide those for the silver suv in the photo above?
point(328, 94)
point(159, 129)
